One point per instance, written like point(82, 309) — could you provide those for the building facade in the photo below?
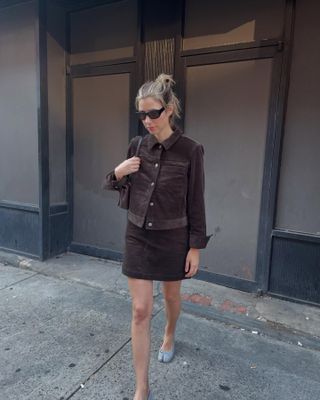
point(246, 76)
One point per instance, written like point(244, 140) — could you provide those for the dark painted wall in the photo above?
point(19, 177)
point(233, 130)
point(19, 161)
point(56, 53)
point(295, 263)
point(299, 188)
point(112, 35)
point(57, 58)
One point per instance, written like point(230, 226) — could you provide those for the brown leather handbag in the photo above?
point(124, 193)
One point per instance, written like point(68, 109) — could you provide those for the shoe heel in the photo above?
point(166, 356)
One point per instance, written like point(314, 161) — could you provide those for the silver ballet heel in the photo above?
point(166, 356)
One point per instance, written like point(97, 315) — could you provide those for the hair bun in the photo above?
point(166, 80)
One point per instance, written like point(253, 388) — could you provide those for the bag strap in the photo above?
point(140, 138)
point(138, 146)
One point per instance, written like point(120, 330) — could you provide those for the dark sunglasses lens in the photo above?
point(153, 114)
point(141, 115)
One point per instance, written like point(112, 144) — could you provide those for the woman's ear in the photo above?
point(169, 110)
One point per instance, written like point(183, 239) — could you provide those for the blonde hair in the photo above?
point(161, 89)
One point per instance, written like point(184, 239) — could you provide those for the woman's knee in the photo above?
point(141, 313)
point(171, 296)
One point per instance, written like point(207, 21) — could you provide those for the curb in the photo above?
point(271, 329)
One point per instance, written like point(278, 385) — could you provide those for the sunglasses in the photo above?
point(152, 114)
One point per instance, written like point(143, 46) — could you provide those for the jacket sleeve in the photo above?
point(110, 181)
point(195, 201)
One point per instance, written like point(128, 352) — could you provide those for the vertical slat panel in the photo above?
point(159, 57)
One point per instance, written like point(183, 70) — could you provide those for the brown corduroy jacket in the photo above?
point(168, 190)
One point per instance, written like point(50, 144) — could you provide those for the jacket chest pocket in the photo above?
point(173, 173)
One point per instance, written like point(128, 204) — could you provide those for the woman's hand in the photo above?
point(192, 262)
point(127, 167)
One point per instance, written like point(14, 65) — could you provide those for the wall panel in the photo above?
point(19, 176)
point(101, 134)
point(227, 108)
point(299, 187)
point(216, 23)
point(102, 33)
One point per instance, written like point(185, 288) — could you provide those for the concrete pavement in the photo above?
point(65, 334)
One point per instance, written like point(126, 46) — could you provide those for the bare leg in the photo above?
point(172, 297)
point(142, 303)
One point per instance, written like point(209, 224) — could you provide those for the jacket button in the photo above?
point(156, 165)
point(150, 224)
point(151, 203)
point(152, 183)
point(160, 146)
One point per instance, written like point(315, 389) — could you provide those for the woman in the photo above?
point(166, 219)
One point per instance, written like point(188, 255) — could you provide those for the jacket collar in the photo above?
point(152, 141)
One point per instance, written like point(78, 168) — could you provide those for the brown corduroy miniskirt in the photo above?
point(155, 254)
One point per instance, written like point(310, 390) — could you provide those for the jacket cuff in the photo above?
point(111, 182)
point(198, 242)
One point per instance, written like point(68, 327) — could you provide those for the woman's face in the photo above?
point(155, 126)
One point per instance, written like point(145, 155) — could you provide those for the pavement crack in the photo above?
point(98, 369)
point(107, 361)
point(21, 280)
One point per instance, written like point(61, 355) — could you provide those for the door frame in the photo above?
point(131, 65)
point(274, 51)
point(78, 72)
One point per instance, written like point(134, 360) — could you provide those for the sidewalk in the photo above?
point(65, 335)
point(280, 319)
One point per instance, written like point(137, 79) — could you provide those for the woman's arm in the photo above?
point(127, 167)
point(198, 238)
point(118, 177)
